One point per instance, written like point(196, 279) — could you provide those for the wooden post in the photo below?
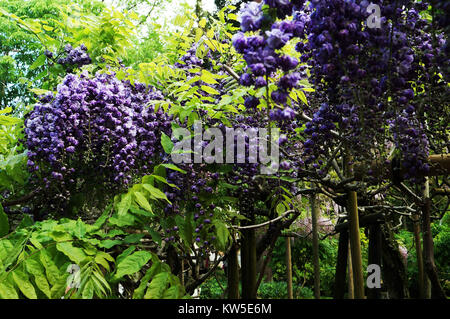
point(315, 242)
point(341, 266)
point(355, 244)
point(233, 273)
point(289, 268)
point(351, 286)
point(375, 254)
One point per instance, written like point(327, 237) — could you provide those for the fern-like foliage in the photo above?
point(72, 259)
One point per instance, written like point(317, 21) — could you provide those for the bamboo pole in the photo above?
point(289, 268)
point(355, 244)
point(351, 286)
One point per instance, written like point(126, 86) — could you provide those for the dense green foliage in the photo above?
point(126, 225)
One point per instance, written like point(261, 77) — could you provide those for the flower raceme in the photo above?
point(260, 51)
point(96, 126)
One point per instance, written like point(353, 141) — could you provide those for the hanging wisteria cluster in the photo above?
point(260, 50)
point(363, 76)
point(73, 57)
point(94, 128)
point(367, 74)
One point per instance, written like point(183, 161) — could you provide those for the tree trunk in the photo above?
point(244, 264)
point(315, 242)
point(233, 273)
point(393, 267)
point(374, 256)
point(289, 268)
point(248, 260)
point(341, 266)
point(421, 276)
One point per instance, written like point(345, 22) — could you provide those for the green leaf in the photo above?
point(124, 204)
point(157, 286)
point(5, 249)
point(38, 62)
point(280, 208)
point(185, 227)
point(155, 192)
point(25, 222)
point(4, 223)
point(166, 143)
point(102, 258)
point(202, 22)
point(9, 120)
point(133, 238)
point(142, 201)
point(37, 270)
point(132, 264)
point(23, 283)
point(75, 254)
point(102, 219)
point(100, 283)
point(109, 243)
point(7, 290)
point(60, 236)
point(40, 91)
point(6, 110)
point(141, 212)
point(172, 293)
point(207, 77)
point(155, 235)
point(302, 97)
point(59, 287)
point(88, 290)
point(51, 271)
point(124, 220)
point(34, 267)
point(174, 168)
point(222, 233)
point(80, 229)
point(125, 253)
point(209, 90)
point(154, 269)
point(163, 180)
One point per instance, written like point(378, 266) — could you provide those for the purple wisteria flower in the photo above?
point(251, 16)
